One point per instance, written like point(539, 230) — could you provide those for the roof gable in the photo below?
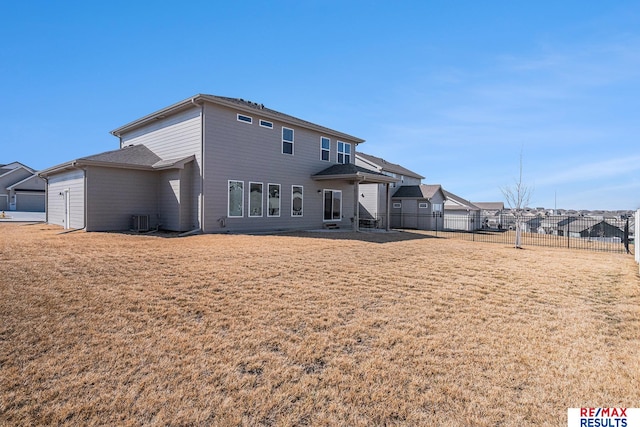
point(236, 103)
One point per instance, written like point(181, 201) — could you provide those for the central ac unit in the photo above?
point(140, 223)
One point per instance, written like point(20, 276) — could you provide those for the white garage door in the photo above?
point(30, 202)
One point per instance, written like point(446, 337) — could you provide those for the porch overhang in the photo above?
point(352, 173)
point(356, 175)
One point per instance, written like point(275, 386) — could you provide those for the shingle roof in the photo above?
point(129, 157)
point(459, 201)
point(422, 191)
point(134, 155)
point(388, 166)
point(490, 206)
point(352, 171)
point(346, 169)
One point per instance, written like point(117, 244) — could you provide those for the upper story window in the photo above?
point(266, 124)
point(325, 148)
point(287, 141)
point(423, 205)
point(344, 152)
point(246, 119)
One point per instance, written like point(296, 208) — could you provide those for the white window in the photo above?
point(397, 205)
point(266, 124)
point(296, 200)
point(236, 199)
point(274, 200)
point(255, 199)
point(246, 119)
point(287, 141)
point(344, 152)
point(332, 205)
point(423, 205)
point(325, 148)
point(436, 207)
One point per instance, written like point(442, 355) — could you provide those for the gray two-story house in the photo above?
point(213, 164)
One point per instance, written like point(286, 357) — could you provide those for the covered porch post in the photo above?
point(388, 206)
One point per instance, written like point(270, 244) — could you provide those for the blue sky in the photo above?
point(455, 91)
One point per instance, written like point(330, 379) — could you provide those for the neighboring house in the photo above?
point(21, 189)
point(592, 228)
point(461, 214)
point(213, 164)
point(418, 206)
point(374, 198)
point(491, 213)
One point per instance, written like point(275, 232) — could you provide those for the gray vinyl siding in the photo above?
point(117, 194)
point(175, 208)
point(4, 202)
point(250, 153)
point(176, 137)
point(169, 200)
point(370, 199)
point(188, 200)
point(58, 183)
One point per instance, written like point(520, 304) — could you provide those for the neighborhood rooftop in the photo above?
point(388, 166)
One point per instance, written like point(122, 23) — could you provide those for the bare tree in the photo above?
point(518, 196)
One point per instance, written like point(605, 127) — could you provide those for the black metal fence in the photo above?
point(577, 232)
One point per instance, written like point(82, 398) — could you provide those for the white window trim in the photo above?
point(261, 200)
point(263, 124)
point(328, 150)
point(344, 153)
point(292, 142)
point(279, 200)
point(323, 201)
point(302, 200)
point(228, 200)
point(250, 121)
point(397, 205)
point(423, 205)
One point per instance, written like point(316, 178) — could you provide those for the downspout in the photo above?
point(86, 205)
point(46, 199)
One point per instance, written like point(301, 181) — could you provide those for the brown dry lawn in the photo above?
point(309, 329)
